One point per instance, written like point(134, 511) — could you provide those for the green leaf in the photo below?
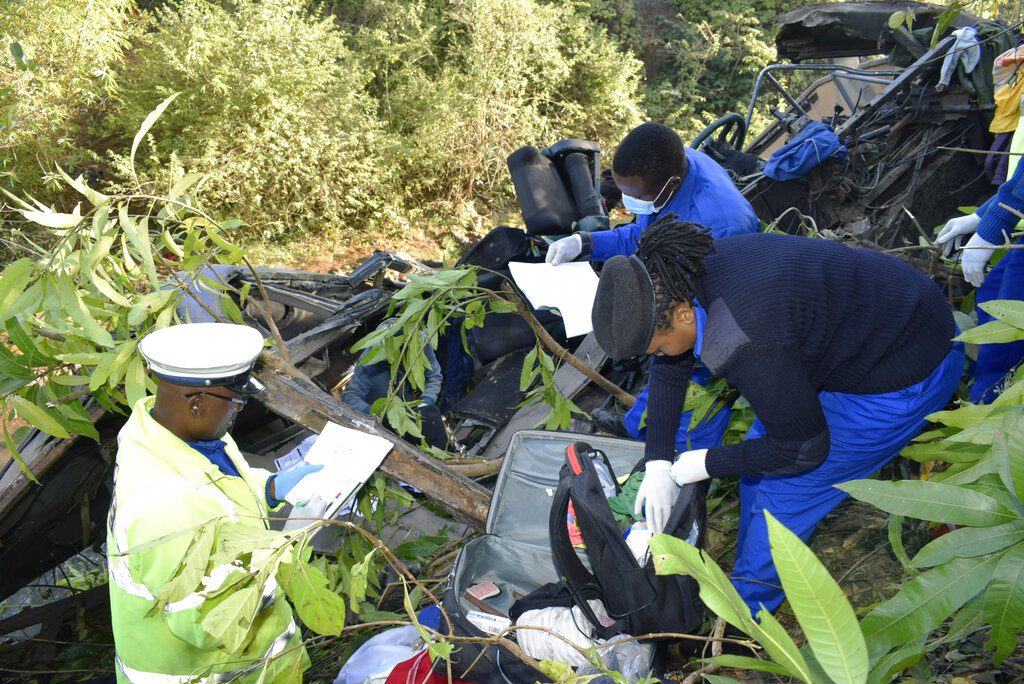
point(1004, 603)
point(895, 529)
point(138, 236)
point(185, 183)
point(13, 281)
point(437, 649)
point(191, 569)
point(1009, 311)
point(737, 662)
point(72, 304)
point(883, 669)
point(12, 449)
point(146, 125)
point(112, 364)
point(925, 601)
point(18, 53)
point(135, 380)
point(108, 291)
point(993, 332)
point(966, 475)
point(321, 609)
point(37, 416)
point(1008, 452)
point(820, 606)
point(965, 416)
point(53, 219)
point(26, 345)
point(932, 501)
point(232, 615)
point(945, 450)
point(360, 576)
point(721, 679)
point(968, 542)
point(95, 198)
point(673, 556)
point(779, 645)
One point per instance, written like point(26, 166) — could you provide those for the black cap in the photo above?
point(624, 308)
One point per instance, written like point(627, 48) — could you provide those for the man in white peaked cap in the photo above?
point(178, 468)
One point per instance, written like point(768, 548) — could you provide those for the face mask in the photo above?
point(644, 207)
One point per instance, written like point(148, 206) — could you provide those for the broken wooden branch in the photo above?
point(564, 354)
point(297, 399)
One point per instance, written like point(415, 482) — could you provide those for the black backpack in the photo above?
point(639, 601)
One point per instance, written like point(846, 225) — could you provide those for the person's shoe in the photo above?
point(608, 420)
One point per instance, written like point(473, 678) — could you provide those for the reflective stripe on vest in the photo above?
point(142, 677)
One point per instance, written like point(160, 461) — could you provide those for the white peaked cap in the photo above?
point(203, 354)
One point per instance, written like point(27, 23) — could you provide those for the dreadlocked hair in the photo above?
point(673, 253)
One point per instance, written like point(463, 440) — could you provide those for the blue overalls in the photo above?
point(709, 197)
point(866, 431)
point(1004, 281)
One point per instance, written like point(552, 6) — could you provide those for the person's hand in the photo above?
point(282, 483)
point(426, 401)
point(690, 466)
point(954, 228)
point(656, 496)
point(565, 250)
point(974, 258)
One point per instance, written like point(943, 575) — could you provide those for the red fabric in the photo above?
point(416, 670)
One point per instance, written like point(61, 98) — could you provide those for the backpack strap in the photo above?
point(581, 582)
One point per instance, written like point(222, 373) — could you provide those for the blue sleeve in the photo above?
point(996, 221)
point(980, 211)
point(669, 380)
point(356, 391)
point(433, 376)
point(622, 240)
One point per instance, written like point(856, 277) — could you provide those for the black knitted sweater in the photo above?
point(789, 317)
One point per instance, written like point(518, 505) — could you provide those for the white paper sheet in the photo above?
point(349, 458)
point(570, 288)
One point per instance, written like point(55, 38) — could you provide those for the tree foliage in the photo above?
point(58, 63)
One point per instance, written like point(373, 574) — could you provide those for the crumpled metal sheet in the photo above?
point(848, 29)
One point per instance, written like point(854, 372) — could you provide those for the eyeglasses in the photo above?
point(237, 401)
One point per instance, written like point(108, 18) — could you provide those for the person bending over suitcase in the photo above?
point(658, 175)
point(841, 353)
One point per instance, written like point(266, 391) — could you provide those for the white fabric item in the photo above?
point(966, 50)
point(564, 622)
point(374, 660)
point(656, 496)
point(690, 466)
point(565, 250)
point(975, 257)
point(201, 351)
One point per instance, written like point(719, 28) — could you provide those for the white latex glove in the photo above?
point(955, 228)
point(960, 225)
point(974, 258)
point(564, 622)
point(565, 250)
point(656, 496)
point(690, 466)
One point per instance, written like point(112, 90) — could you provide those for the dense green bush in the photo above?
point(272, 108)
point(57, 70)
point(377, 117)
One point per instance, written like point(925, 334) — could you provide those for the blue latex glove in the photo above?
point(427, 401)
point(286, 481)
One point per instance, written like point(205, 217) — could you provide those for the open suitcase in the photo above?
point(515, 553)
